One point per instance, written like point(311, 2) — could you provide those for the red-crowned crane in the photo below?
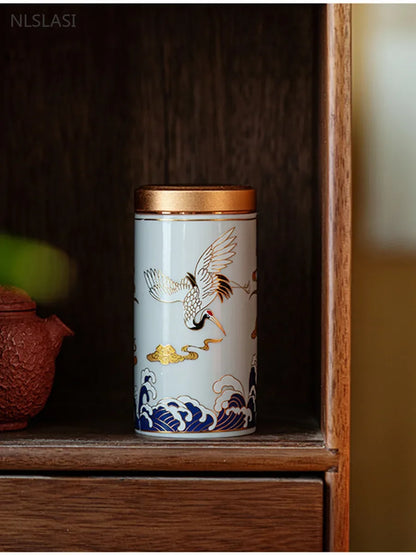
point(198, 290)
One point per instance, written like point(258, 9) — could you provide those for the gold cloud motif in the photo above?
point(166, 354)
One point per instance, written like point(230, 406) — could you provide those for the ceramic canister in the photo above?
point(195, 320)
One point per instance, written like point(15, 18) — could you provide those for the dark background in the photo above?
point(164, 94)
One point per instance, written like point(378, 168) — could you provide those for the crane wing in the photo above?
point(214, 259)
point(164, 289)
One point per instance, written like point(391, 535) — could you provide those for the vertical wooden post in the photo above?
point(336, 260)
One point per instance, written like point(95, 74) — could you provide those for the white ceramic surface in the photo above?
point(195, 358)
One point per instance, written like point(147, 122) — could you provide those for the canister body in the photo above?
point(195, 324)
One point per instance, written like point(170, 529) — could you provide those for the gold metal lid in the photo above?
point(195, 199)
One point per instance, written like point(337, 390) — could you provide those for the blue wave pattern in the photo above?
point(232, 411)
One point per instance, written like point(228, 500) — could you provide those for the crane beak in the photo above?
point(217, 323)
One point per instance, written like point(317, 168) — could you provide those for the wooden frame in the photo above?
point(318, 450)
point(336, 254)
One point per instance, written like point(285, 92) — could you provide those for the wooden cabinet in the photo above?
point(161, 514)
point(253, 94)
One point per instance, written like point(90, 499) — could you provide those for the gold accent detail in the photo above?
point(147, 219)
point(254, 292)
point(195, 199)
point(251, 428)
point(245, 287)
point(166, 354)
point(227, 387)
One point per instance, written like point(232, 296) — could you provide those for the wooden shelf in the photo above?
point(257, 96)
point(285, 447)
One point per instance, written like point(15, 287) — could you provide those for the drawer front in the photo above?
point(160, 514)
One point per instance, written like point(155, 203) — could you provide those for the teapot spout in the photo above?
point(57, 331)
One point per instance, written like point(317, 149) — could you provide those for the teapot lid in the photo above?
point(13, 299)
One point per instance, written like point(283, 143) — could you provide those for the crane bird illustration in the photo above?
point(198, 290)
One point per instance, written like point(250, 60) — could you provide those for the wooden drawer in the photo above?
point(160, 514)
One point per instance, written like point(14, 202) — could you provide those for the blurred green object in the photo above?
point(44, 271)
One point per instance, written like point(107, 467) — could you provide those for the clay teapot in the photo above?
point(28, 348)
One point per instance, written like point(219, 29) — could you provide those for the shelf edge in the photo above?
point(167, 458)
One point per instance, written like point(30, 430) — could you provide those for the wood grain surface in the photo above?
point(162, 94)
point(159, 514)
point(86, 449)
point(336, 251)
